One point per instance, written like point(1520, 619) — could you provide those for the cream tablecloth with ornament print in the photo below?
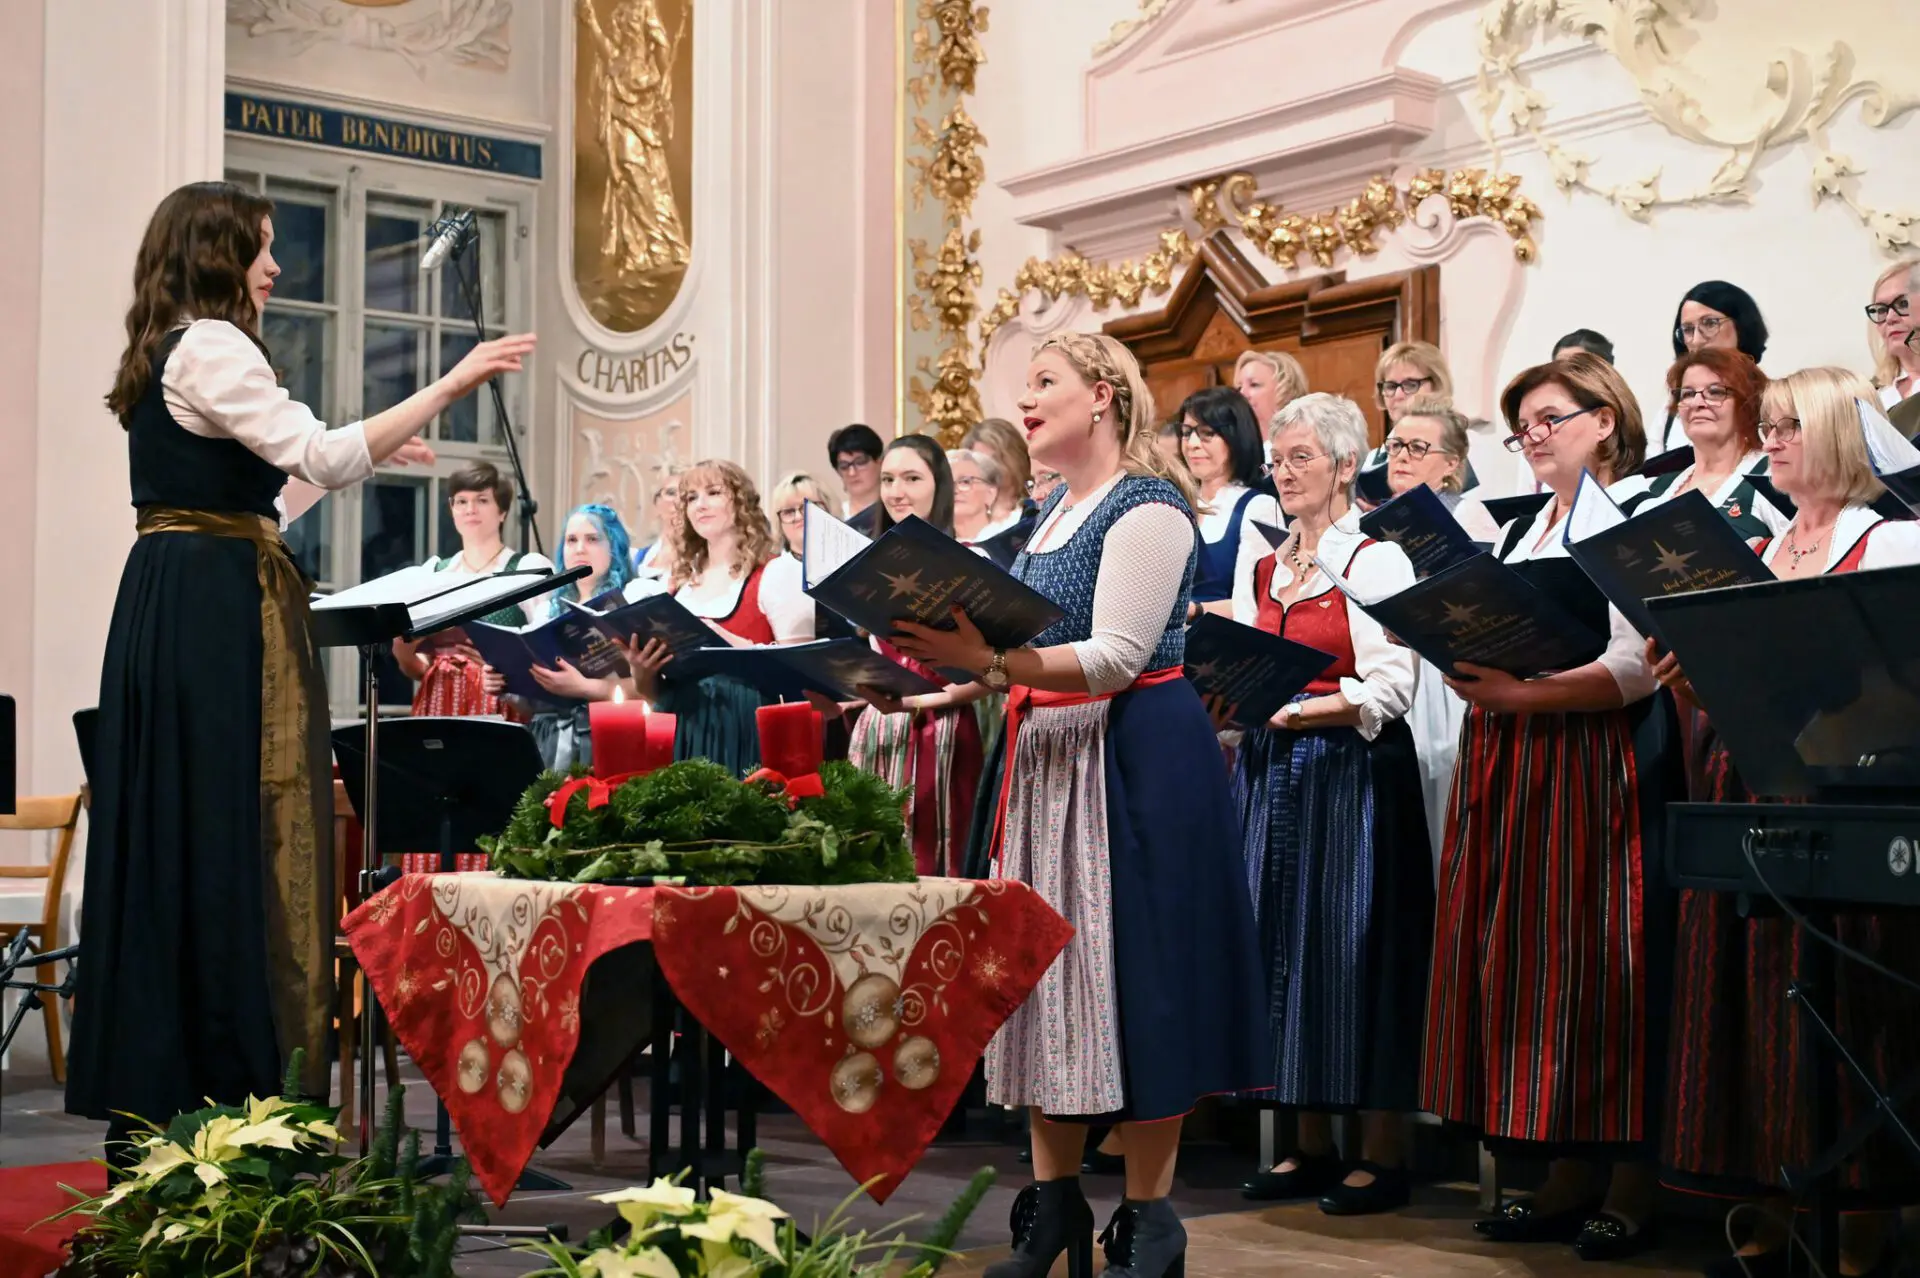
point(864, 1008)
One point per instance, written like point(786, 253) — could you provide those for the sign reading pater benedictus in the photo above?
point(635, 373)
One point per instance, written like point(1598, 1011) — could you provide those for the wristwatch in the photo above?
point(996, 672)
point(1292, 714)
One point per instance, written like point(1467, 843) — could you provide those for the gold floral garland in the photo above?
point(1280, 236)
point(948, 168)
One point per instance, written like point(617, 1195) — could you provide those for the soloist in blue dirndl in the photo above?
point(1117, 812)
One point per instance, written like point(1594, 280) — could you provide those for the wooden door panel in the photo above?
point(1336, 329)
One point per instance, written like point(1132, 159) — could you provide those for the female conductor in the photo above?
point(207, 911)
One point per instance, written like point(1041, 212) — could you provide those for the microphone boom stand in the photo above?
point(469, 289)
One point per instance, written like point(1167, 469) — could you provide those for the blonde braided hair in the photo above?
point(1097, 358)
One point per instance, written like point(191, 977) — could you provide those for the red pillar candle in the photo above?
point(628, 739)
point(791, 737)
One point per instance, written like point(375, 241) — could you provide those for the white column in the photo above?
point(132, 109)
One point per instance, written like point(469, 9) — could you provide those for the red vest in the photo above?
point(1319, 622)
point(746, 619)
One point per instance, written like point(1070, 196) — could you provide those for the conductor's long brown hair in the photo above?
point(192, 264)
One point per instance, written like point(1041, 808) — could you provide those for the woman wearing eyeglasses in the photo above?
point(1713, 315)
point(1336, 840)
point(1737, 1107)
point(1896, 364)
point(977, 483)
point(1406, 371)
point(1546, 993)
point(1715, 392)
point(1428, 445)
point(1220, 444)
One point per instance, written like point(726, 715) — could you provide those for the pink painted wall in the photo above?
point(22, 43)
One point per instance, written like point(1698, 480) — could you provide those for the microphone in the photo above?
point(449, 234)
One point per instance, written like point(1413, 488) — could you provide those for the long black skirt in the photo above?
point(174, 1000)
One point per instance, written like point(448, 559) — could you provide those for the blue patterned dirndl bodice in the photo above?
point(1066, 574)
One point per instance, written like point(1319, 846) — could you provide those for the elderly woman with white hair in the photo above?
point(1335, 831)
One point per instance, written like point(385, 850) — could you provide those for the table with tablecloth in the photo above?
point(863, 1008)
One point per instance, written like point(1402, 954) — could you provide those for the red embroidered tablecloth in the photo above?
point(864, 1008)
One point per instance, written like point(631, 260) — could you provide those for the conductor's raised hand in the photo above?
point(415, 452)
point(962, 648)
point(487, 360)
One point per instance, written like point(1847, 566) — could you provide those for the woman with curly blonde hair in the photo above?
point(728, 569)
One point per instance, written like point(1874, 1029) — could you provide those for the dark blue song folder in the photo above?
point(1674, 548)
point(837, 667)
point(1419, 523)
point(915, 572)
point(1252, 671)
point(1526, 619)
point(590, 640)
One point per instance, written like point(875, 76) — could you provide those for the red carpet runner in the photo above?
point(28, 1195)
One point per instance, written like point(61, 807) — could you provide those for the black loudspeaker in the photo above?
point(9, 756)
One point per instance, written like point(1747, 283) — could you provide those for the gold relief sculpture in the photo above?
point(940, 285)
point(1278, 235)
point(633, 157)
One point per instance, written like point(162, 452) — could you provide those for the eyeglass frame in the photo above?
point(1044, 478)
point(1706, 326)
point(1408, 445)
point(797, 514)
point(1703, 393)
point(860, 462)
point(1768, 429)
point(1408, 386)
point(1517, 441)
point(1900, 306)
point(968, 481)
point(1292, 462)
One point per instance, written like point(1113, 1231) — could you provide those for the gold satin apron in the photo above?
point(296, 790)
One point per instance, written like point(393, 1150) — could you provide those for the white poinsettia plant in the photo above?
point(672, 1233)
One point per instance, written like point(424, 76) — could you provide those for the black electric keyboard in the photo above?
point(1860, 854)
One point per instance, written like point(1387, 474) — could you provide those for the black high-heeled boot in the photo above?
point(1048, 1218)
point(1145, 1240)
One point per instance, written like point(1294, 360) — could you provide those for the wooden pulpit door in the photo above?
point(1335, 328)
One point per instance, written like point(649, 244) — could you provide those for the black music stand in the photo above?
point(446, 782)
point(369, 628)
point(1815, 687)
point(9, 755)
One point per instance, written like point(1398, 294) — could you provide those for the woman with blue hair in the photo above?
point(594, 537)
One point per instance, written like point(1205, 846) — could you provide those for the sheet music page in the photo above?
point(426, 593)
point(1593, 511)
point(1889, 450)
point(826, 542)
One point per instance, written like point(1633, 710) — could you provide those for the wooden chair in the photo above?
point(51, 812)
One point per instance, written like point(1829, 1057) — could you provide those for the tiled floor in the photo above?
point(1430, 1238)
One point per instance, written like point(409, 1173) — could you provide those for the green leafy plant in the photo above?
point(259, 1189)
point(693, 820)
point(671, 1233)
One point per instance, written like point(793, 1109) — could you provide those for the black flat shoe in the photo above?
point(1100, 1163)
point(1389, 1190)
point(1312, 1175)
point(1605, 1236)
point(1518, 1222)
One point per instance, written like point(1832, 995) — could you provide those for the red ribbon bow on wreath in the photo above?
point(628, 741)
point(791, 747)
